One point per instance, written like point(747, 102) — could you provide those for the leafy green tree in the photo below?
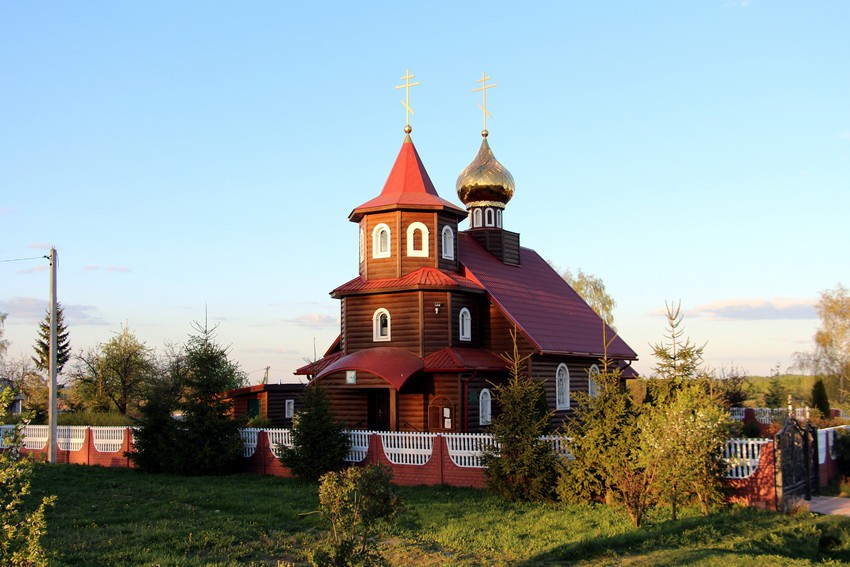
point(114, 374)
point(209, 436)
point(522, 467)
point(831, 356)
point(683, 441)
point(773, 398)
point(600, 438)
point(20, 529)
point(820, 401)
point(356, 502)
point(319, 441)
point(42, 342)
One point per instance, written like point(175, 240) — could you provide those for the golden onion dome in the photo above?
point(485, 181)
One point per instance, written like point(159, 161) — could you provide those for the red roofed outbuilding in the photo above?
point(426, 320)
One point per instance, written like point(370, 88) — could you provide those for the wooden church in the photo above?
point(433, 307)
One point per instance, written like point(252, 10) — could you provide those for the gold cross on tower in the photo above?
point(406, 86)
point(483, 88)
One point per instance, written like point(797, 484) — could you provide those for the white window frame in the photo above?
point(485, 407)
point(362, 245)
point(592, 383)
point(448, 243)
point(562, 387)
point(289, 409)
point(498, 218)
point(411, 231)
point(376, 241)
point(489, 217)
point(476, 218)
point(464, 331)
point(376, 325)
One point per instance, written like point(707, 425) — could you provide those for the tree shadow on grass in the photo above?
point(734, 537)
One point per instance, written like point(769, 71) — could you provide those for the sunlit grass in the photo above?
point(122, 517)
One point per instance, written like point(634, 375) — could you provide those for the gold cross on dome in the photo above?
point(483, 88)
point(406, 86)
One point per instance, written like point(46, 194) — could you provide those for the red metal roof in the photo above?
point(423, 278)
point(408, 187)
point(393, 364)
point(459, 359)
point(541, 304)
point(314, 368)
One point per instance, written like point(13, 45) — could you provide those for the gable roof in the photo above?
point(408, 187)
point(542, 305)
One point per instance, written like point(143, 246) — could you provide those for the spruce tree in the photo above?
point(42, 342)
point(775, 391)
point(820, 401)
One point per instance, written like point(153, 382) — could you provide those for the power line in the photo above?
point(24, 259)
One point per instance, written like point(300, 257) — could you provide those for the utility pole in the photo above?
point(51, 414)
point(266, 376)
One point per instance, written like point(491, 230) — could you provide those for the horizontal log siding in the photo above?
point(276, 406)
point(413, 263)
point(382, 268)
point(417, 395)
point(404, 321)
point(436, 326)
point(543, 369)
point(499, 339)
point(446, 220)
point(474, 304)
point(474, 386)
point(348, 401)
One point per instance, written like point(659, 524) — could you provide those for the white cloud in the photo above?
point(756, 309)
point(38, 246)
point(34, 270)
point(32, 309)
point(316, 320)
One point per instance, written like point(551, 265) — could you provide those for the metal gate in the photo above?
point(796, 462)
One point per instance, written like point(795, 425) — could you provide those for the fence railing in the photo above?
point(400, 448)
point(768, 415)
point(742, 456)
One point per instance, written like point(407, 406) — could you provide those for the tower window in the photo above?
point(417, 240)
point(448, 243)
point(562, 387)
point(381, 325)
point(381, 241)
point(489, 217)
point(498, 218)
point(476, 218)
point(485, 407)
point(465, 325)
point(362, 245)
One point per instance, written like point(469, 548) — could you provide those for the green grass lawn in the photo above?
point(121, 517)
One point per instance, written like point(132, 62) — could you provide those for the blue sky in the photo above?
point(183, 155)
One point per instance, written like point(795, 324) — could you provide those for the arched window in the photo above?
point(489, 217)
point(417, 240)
point(448, 243)
point(562, 387)
point(593, 387)
point(465, 325)
point(476, 218)
point(498, 218)
point(381, 324)
point(381, 241)
point(362, 245)
point(485, 407)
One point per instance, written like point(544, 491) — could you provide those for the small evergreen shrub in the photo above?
point(523, 467)
point(751, 430)
point(820, 401)
point(319, 441)
point(259, 422)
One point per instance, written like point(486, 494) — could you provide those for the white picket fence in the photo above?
point(401, 448)
point(742, 456)
point(768, 415)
